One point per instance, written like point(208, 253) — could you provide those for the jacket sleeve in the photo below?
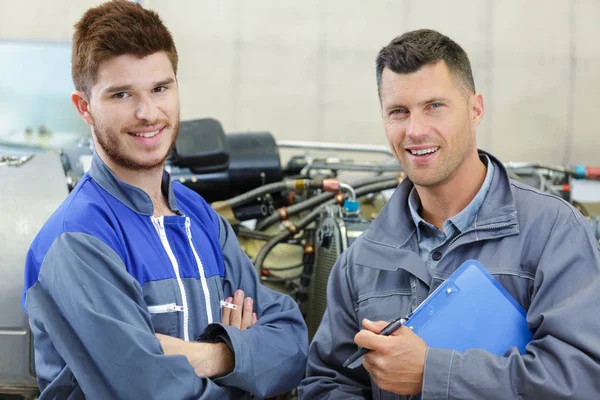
point(334, 343)
point(270, 356)
point(94, 313)
point(563, 359)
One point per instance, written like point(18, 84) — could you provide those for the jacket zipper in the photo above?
point(159, 222)
point(165, 308)
point(200, 270)
point(490, 227)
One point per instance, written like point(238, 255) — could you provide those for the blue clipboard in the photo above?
point(471, 310)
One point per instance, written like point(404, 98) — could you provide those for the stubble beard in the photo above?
point(443, 172)
point(118, 156)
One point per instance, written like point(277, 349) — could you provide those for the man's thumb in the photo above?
point(374, 326)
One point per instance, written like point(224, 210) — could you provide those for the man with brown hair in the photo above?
point(125, 283)
point(458, 203)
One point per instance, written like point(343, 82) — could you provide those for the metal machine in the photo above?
point(32, 188)
point(337, 230)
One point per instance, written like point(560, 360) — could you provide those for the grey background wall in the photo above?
point(304, 70)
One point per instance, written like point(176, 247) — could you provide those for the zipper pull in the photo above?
point(161, 225)
point(174, 308)
point(187, 227)
point(227, 304)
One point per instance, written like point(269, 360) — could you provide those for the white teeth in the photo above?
point(424, 151)
point(146, 134)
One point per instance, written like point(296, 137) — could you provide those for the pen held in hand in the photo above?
point(356, 359)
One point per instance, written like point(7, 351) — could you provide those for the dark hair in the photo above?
point(113, 29)
point(411, 51)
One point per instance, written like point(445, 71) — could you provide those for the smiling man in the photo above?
point(458, 203)
point(125, 282)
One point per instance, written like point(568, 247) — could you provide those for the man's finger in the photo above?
point(374, 326)
point(370, 340)
point(247, 313)
point(236, 315)
point(159, 336)
point(226, 314)
point(254, 318)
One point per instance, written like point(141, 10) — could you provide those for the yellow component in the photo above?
point(370, 207)
point(224, 209)
point(588, 209)
point(281, 256)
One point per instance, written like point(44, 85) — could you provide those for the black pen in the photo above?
point(388, 330)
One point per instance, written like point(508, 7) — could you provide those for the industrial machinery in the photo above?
point(293, 220)
point(337, 229)
point(32, 188)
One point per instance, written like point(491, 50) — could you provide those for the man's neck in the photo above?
point(149, 180)
point(444, 201)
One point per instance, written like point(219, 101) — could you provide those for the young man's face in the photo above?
point(134, 110)
point(429, 122)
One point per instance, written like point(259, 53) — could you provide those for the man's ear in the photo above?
point(82, 106)
point(477, 108)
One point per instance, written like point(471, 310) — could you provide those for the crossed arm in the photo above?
point(213, 360)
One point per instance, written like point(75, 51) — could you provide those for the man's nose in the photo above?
point(146, 109)
point(417, 126)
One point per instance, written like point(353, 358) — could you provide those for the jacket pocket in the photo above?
point(383, 305)
point(164, 318)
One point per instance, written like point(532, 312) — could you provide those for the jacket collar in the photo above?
point(131, 196)
point(394, 227)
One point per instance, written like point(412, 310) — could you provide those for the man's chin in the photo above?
point(140, 165)
point(424, 181)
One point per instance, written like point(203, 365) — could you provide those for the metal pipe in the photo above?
point(264, 251)
point(354, 167)
point(349, 189)
point(359, 148)
point(533, 165)
point(316, 200)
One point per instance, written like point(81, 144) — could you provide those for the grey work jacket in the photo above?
point(538, 247)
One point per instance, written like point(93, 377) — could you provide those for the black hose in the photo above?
point(270, 188)
point(264, 251)
point(291, 267)
point(250, 234)
point(316, 200)
point(254, 193)
point(250, 211)
point(294, 209)
point(278, 279)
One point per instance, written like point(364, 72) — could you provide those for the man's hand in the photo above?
point(208, 359)
point(242, 317)
point(397, 361)
point(213, 359)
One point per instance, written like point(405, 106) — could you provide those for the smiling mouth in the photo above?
point(146, 134)
point(424, 152)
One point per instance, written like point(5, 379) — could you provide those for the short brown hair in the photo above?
point(411, 51)
point(113, 29)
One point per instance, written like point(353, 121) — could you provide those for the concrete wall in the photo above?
point(305, 69)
